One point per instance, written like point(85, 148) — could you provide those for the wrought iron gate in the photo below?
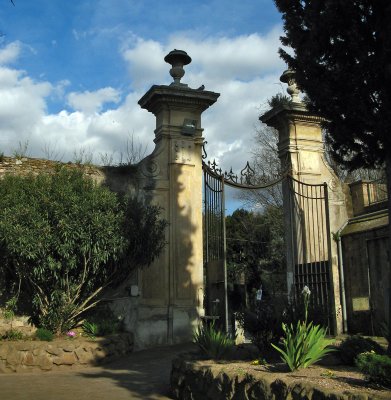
point(307, 238)
point(310, 244)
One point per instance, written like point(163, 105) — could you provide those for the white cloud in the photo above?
point(145, 60)
point(10, 53)
point(90, 102)
point(244, 69)
point(22, 104)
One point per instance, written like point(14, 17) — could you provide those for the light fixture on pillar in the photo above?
point(189, 127)
point(177, 59)
point(288, 77)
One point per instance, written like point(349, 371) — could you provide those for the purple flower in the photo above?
point(71, 334)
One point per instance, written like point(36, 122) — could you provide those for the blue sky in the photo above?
point(71, 72)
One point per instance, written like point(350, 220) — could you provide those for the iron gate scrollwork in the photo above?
point(307, 238)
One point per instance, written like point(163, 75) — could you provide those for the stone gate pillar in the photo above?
point(301, 151)
point(172, 288)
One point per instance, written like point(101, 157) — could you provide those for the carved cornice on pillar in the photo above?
point(294, 112)
point(160, 97)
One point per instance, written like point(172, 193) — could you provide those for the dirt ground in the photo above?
point(142, 375)
point(342, 378)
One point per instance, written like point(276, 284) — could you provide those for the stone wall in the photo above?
point(118, 178)
point(19, 323)
point(24, 356)
point(192, 380)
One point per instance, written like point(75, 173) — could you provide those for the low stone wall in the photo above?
point(19, 323)
point(203, 380)
point(24, 356)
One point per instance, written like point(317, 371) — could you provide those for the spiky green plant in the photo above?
point(214, 343)
point(90, 329)
point(305, 343)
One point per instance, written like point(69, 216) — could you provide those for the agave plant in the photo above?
point(214, 343)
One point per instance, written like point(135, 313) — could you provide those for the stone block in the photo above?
point(15, 357)
point(279, 389)
point(44, 362)
point(65, 359)
point(4, 348)
point(55, 351)
point(68, 347)
point(29, 359)
point(100, 354)
point(84, 357)
point(302, 391)
point(23, 346)
point(3, 367)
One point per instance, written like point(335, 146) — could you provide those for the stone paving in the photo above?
point(140, 375)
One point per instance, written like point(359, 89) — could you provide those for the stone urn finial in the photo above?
point(177, 59)
point(288, 77)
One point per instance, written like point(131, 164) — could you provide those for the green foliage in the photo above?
point(343, 69)
point(305, 343)
point(13, 334)
point(376, 367)
point(144, 232)
point(44, 335)
point(67, 238)
point(106, 322)
point(109, 327)
point(352, 346)
point(10, 308)
point(279, 99)
point(263, 326)
point(255, 248)
point(212, 342)
point(90, 329)
point(1, 156)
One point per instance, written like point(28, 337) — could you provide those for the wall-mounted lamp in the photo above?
point(133, 290)
point(189, 127)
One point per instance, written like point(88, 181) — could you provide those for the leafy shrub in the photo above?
point(44, 335)
point(263, 326)
point(109, 327)
point(90, 329)
point(212, 342)
point(352, 346)
point(13, 334)
point(305, 343)
point(376, 367)
point(107, 322)
point(66, 239)
point(10, 308)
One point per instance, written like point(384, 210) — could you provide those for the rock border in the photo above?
point(192, 381)
point(25, 356)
